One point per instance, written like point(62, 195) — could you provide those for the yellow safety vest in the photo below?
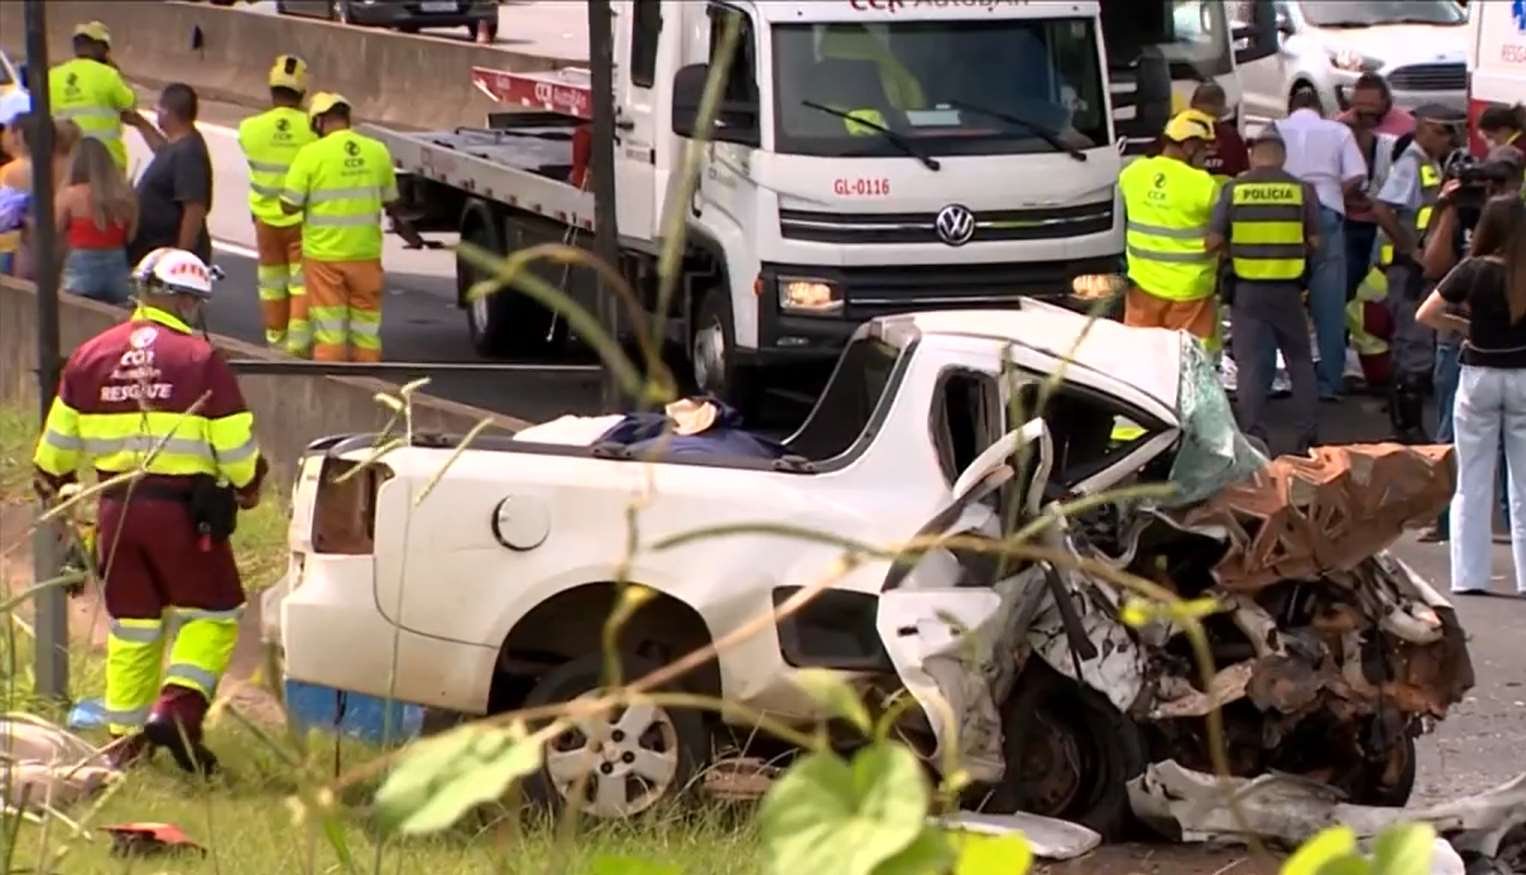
point(1430, 192)
point(270, 141)
point(1168, 204)
point(1266, 235)
point(341, 181)
point(93, 96)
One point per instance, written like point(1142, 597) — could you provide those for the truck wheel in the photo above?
point(712, 353)
point(621, 763)
point(506, 323)
point(1069, 752)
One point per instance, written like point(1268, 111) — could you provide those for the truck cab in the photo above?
point(881, 157)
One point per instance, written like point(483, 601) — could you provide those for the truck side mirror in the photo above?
point(1261, 37)
point(735, 122)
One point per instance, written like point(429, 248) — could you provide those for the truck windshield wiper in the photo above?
point(1049, 136)
point(905, 145)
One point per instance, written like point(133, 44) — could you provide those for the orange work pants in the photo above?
point(283, 296)
point(345, 309)
point(1198, 317)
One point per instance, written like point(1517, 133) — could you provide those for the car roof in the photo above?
point(1146, 359)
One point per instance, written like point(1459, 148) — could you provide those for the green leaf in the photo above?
point(1405, 849)
point(825, 815)
point(932, 853)
point(1352, 865)
point(610, 864)
point(832, 692)
point(1332, 844)
point(993, 855)
point(442, 778)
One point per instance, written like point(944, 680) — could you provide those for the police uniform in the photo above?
point(1168, 204)
point(1411, 190)
point(271, 141)
point(92, 95)
point(342, 181)
point(1266, 217)
point(150, 395)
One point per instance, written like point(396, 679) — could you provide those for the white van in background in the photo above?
point(1325, 45)
point(1496, 52)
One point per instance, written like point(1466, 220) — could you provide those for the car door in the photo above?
point(636, 66)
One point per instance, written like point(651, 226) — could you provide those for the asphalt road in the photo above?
point(420, 319)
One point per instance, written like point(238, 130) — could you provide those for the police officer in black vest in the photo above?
point(1269, 221)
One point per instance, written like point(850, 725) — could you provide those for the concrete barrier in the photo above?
point(392, 78)
point(289, 411)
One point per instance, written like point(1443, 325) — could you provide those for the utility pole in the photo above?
point(52, 656)
point(606, 229)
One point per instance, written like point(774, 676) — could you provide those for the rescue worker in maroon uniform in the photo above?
point(148, 395)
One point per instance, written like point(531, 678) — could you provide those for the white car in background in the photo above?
point(1325, 45)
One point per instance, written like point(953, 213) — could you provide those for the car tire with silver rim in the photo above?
point(621, 763)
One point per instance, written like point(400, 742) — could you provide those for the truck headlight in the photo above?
point(1095, 286)
point(809, 295)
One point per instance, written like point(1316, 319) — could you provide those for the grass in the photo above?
point(245, 818)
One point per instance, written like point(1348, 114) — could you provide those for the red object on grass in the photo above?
point(149, 838)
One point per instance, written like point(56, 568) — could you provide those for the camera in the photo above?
point(1474, 178)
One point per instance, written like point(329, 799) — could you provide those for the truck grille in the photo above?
point(1033, 224)
point(1429, 77)
point(879, 291)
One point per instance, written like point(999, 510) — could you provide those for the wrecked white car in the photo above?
point(492, 592)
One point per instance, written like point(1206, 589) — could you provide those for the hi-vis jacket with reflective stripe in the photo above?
point(93, 96)
point(271, 140)
point(128, 390)
point(1266, 227)
point(1429, 174)
point(1168, 205)
point(341, 181)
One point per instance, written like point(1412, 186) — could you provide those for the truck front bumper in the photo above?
point(869, 292)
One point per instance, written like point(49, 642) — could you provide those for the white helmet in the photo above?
point(171, 271)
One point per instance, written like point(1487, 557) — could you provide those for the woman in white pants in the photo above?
point(1489, 286)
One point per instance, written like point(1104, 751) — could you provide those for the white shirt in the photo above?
point(1322, 153)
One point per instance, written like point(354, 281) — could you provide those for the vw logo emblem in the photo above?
point(955, 224)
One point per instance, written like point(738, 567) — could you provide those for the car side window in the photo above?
point(646, 26)
point(966, 419)
point(1089, 432)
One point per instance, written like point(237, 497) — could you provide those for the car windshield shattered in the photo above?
point(1214, 452)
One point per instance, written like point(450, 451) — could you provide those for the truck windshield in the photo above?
point(943, 87)
point(1370, 12)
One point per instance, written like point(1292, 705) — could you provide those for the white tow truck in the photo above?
point(486, 587)
point(980, 165)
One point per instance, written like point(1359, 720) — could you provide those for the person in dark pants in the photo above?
point(1269, 220)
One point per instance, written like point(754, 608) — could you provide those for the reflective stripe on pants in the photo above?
point(345, 309)
point(283, 296)
point(134, 649)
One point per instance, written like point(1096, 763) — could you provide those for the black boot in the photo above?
point(175, 725)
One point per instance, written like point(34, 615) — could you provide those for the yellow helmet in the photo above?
point(94, 30)
point(1190, 124)
point(289, 71)
point(324, 101)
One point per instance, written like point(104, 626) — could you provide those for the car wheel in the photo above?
point(1069, 753)
point(621, 763)
point(339, 10)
